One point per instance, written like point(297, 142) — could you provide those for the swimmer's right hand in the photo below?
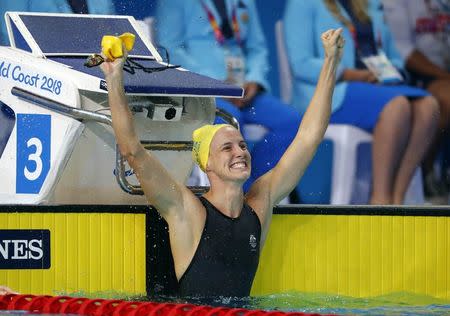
point(4, 290)
point(113, 68)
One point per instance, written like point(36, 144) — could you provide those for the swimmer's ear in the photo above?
point(207, 167)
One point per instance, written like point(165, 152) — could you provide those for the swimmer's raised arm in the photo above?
point(161, 190)
point(283, 178)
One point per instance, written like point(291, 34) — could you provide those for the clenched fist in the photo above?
point(333, 43)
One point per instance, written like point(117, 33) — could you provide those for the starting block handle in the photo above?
point(106, 119)
point(59, 107)
point(227, 117)
point(164, 145)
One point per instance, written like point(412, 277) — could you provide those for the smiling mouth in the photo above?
point(239, 165)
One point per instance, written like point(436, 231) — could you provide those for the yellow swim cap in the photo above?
point(112, 45)
point(202, 138)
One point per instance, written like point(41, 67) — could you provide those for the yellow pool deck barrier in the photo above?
point(351, 251)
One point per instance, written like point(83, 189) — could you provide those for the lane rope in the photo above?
point(45, 304)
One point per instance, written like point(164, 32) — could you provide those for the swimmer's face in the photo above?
point(228, 156)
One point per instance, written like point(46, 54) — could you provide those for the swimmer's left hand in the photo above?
point(333, 43)
point(4, 290)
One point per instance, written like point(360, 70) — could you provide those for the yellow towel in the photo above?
point(112, 45)
point(202, 138)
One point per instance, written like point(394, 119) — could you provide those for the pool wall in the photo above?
point(124, 250)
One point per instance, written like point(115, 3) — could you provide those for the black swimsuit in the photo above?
point(227, 256)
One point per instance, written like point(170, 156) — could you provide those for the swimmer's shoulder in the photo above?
point(258, 197)
point(187, 207)
point(192, 204)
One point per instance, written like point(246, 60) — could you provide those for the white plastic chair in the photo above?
point(345, 138)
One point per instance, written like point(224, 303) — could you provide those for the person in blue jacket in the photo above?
point(223, 39)
point(52, 6)
point(401, 118)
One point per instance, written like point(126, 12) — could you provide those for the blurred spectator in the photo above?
point(223, 39)
point(401, 118)
point(421, 29)
point(52, 6)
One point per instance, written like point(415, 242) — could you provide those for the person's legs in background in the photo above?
point(390, 138)
point(425, 116)
point(387, 115)
point(434, 186)
point(399, 139)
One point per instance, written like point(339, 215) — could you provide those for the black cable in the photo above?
point(130, 65)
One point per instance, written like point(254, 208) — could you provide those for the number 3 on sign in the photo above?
point(33, 152)
point(36, 157)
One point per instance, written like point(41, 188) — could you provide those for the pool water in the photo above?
point(394, 304)
point(389, 305)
